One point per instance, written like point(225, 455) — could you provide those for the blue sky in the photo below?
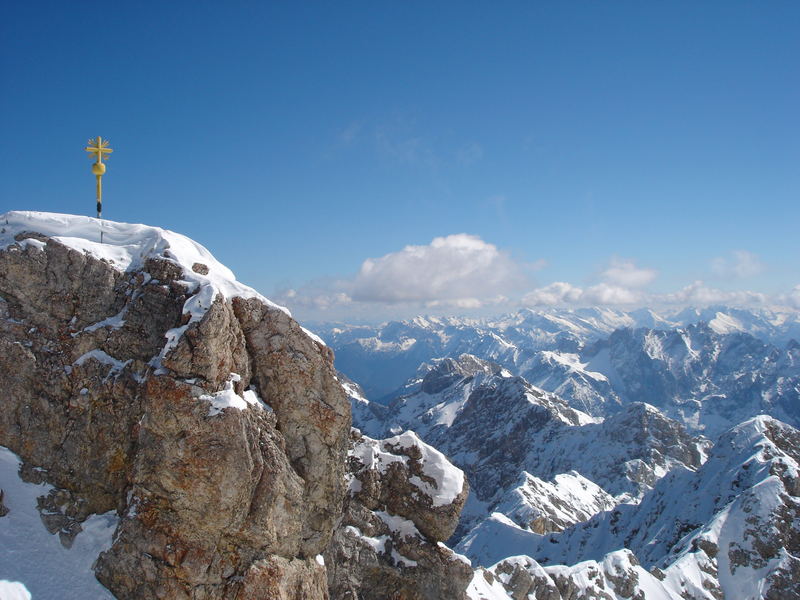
point(560, 153)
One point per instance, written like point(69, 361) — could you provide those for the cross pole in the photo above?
point(99, 147)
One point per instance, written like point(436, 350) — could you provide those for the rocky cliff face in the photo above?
point(139, 377)
point(221, 449)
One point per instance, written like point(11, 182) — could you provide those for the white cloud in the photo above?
point(792, 298)
point(738, 265)
point(463, 273)
point(560, 292)
point(467, 303)
point(455, 267)
point(319, 297)
point(605, 293)
point(624, 273)
point(699, 294)
point(621, 280)
point(455, 272)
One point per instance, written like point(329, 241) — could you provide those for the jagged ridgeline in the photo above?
point(167, 432)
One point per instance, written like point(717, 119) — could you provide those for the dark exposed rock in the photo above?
point(200, 268)
point(62, 513)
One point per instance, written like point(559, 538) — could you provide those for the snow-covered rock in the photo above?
point(496, 426)
point(530, 457)
point(141, 379)
point(545, 506)
point(404, 500)
point(617, 577)
point(708, 380)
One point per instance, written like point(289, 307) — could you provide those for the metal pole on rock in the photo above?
point(99, 147)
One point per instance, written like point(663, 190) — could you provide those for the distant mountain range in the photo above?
point(710, 369)
point(660, 452)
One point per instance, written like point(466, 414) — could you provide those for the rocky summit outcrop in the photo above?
point(140, 377)
point(405, 499)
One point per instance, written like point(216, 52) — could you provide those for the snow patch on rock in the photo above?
point(228, 398)
point(448, 479)
point(34, 563)
point(127, 246)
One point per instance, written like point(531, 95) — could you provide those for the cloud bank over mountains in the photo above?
point(464, 272)
point(456, 268)
point(625, 274)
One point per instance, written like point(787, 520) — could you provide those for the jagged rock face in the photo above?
point(408, 478)
point(63, 410)
point(294, 374)
point(405, 499)
point(449, 371)
point(214, 502)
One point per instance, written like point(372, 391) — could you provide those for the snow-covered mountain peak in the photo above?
point(125, 246)
point(769, 445)
point(130, 247)
point(724, 323)
point(446, 371)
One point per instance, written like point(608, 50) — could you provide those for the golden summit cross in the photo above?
point(99, 147)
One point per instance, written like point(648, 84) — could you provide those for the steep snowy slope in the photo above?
point(583, 386)
point(729, 528)
point(545, 506)
point(496, 426)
